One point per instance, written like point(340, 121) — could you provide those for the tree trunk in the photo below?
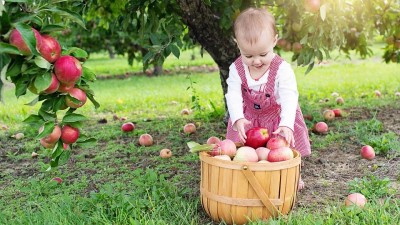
point(158, 70)
point(204, 28)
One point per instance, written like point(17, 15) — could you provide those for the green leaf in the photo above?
point(51, 28)
point(48, 127)
point(310, 67)
point(88, 74)
point(73, 117)
point(20, 86)
point(192, 144)
point(42, 63)
point(90, 142)
point(9, 49)
point(91, 98)
point(64, 157)
point(175, 50)
point(33, 102)
point(46, 115)
point(15, 68)
point(73, 16)
point(43, 81)
point(34, 119)
point(29, 37)
point(58, 150)
point(78, 53)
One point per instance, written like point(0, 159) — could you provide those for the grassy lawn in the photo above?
point(120, 182)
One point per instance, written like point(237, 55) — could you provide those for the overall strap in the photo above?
point(240, 68)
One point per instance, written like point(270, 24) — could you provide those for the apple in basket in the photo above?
point(280, 154)
point(246, 154)
point(257, 137)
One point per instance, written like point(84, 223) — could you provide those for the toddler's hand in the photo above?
point(287, 133)
point(240, 125)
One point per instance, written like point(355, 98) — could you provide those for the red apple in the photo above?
point(128, 127)
point(213, 140)
point(312, 5)
point(367, 152)
point(54, 136)
point(320, 128)
point(296, 47)
point(189, 128)
point(165, 153)
point(328, 114)
point(64, 88)
point(355, 199)
point(69, 134)
point(282, 43)
point(78, 94)
point(246, 154)
point(65, 146)
point(146, 140)
point(47, 145)
point(54, 85)
point(338, 112)
point(262, 153)
point(17, 40)
point(68, 69)
point(277, 142)
point(58, 180)
point(50, 48)
point(280, 154)
point(308, 117)
point(257, 137)
point(339, 101)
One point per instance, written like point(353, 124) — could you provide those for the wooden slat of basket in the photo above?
point(241, 192)
point(290, 189)
point(275, 177)
point(214, 183)
point(205, 181)
point(260, 192)
point(282, 189)
point(225, 189)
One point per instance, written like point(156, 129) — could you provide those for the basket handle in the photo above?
point(260, 192)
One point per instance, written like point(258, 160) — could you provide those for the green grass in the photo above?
point(119, 182)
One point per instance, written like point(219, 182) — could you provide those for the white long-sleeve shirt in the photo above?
point(286, 93)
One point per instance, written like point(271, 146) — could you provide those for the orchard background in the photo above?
point(155, 58)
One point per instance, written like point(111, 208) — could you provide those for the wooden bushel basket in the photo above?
point(239, 192)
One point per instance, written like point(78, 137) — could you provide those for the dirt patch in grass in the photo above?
point(326, 173)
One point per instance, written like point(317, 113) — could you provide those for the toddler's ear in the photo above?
point(275, 40)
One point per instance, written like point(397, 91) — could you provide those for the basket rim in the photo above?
point(255, 166)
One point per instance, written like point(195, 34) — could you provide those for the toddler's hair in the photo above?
point(252, 22)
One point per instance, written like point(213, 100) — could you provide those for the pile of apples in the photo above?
point(65, 73)
point(259, 147)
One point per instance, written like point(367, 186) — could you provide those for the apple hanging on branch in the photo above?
point(33, 60)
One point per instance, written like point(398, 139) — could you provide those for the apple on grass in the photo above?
point(50, 49)
point(356, 199)
point(320, 128)
point(189, 128)
point(328, 114)
point(280, 154)
point(339, 101)
point(337, 112)
point(128, 127)
point(367, 152)
point(146, 140)
point(57, 179)
point(165, 153)
point(257, 137)
point(17, 40)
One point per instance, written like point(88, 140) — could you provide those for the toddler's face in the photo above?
point(257, 55)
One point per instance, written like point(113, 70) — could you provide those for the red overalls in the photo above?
point(262, 110)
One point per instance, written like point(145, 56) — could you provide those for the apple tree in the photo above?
point(34, 61)
point(311, 29)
